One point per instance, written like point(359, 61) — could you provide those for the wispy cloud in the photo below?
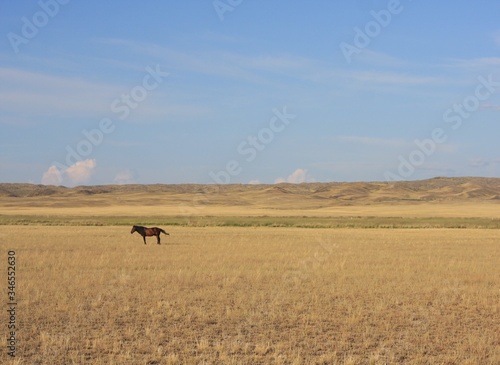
point(40, 94)
point(270, 68)
point(481, 162)
point(215, 63)
point(394, 78)
point(30, 95)
point(374, 141)
point(488, 106)
point(223, 63)
point(496, 37)
point(382, 59)
point(474, 65)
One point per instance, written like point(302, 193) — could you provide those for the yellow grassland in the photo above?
point(166, 209)
point(233, 289)
point(255, 295)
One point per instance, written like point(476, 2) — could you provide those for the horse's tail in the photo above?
point(162, 231)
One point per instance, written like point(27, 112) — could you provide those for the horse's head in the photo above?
point(133, 229)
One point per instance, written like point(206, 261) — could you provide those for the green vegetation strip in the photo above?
point(261, 221)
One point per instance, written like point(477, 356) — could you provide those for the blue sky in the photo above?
point(231, 91)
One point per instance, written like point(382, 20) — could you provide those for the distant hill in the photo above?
point(315, 194)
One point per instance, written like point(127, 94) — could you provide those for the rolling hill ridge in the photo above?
point(308, 195)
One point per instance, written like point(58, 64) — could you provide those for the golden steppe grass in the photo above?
point(228, 295)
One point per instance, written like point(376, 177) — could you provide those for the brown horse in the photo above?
point(144, 231)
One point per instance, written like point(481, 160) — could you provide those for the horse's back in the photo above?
point(153, 231)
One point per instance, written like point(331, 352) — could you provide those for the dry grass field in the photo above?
point(337, 273)
point(255, 295)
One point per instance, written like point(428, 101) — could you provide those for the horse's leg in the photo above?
point(144, 238)
point(158, 238)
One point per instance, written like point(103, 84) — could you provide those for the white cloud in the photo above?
point(297, 177)
point(52, 176)
point(81, 171)
point(254, 182)
point(78, 173)
point(125, 177)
